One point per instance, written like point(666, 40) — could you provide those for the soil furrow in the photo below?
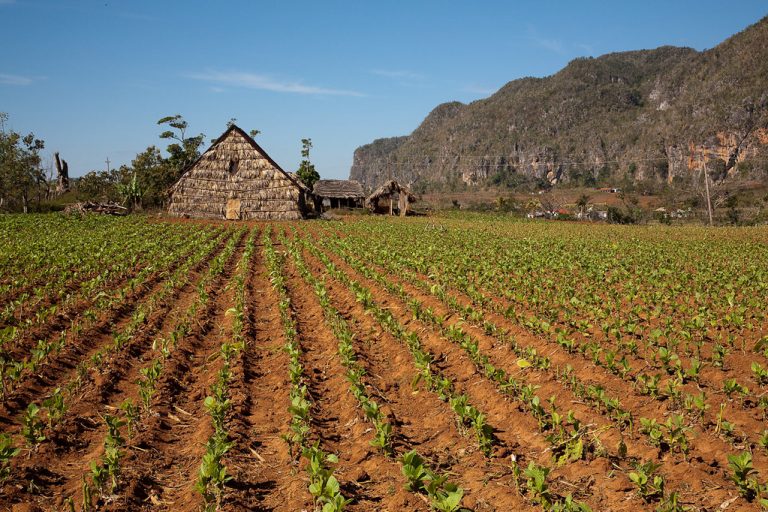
point(63, 367)
point(59, 465)
point(597, 477)
point(701, 473)
point(264, 473)
point(421, 420)
point(162, 461)
point(707, 451)
point(63, 319)
point(366, 476)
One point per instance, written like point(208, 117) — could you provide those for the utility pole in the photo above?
point(107, 160)
point(706, 187)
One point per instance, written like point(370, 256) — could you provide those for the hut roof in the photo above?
point(387, 189)
point(236, 179)
point(233, 127)
point(298, 182)
point(344, 189)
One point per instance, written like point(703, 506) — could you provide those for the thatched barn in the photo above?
point(236, 179)
point(338, 194)
point(391, 197)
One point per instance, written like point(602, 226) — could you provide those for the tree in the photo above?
point(21, 173)
point(131, 192)
point(186, 150)
point(582, 203)
point(155, 176)
point(62, 173)
point(307, 173)
point(98, 186)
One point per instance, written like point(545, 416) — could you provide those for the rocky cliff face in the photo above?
point(641, 115)
point(370, 163)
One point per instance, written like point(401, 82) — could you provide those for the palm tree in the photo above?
point(582, 203)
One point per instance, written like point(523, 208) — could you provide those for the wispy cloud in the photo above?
point(401, 77)
point(7, 2)
point(267, 83)
point(6, 79)
point(399, 74)
point(553, 45)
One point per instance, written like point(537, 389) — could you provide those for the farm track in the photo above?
point(60, 463)
point(711, 485)
point(367, 477)
point(420, 419)
point(265, 476)
point(707, 451)
point(162, 461)
point(60, 368)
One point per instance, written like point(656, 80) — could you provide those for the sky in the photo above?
point(92, 78)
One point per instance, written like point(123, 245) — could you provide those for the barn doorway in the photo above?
point(233, 210)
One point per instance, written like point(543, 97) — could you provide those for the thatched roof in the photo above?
point(339, 189)
point(236, 178)
point(298, 181)
point(390, 188)
point(391, 191)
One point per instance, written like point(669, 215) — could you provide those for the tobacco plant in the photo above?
point(7, 452)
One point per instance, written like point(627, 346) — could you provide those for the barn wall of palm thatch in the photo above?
point(236, 179)
point(391, 197)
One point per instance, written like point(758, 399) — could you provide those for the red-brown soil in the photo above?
point(161, 457)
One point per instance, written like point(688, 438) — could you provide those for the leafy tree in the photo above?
point(131, 192)
point(21, 173)
point(232, 121)
point(307, 173)
point(155, 175)
point(582, 203)
point(186, 149)
point(98, 186)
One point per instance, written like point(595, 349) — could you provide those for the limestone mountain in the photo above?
point(655, 115)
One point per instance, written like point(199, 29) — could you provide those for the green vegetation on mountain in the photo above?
point(648, 116)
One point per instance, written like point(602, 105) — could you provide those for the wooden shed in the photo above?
point(236, 179)
point(391, 197)
point(338, 194)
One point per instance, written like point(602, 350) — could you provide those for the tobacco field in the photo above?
point(377, 364)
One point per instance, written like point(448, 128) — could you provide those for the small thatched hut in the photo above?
point(338, 194)
point(391, 193)
point(236, 179)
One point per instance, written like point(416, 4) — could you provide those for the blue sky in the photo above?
point(92, 77)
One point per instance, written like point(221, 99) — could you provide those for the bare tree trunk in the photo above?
point(62, 171)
